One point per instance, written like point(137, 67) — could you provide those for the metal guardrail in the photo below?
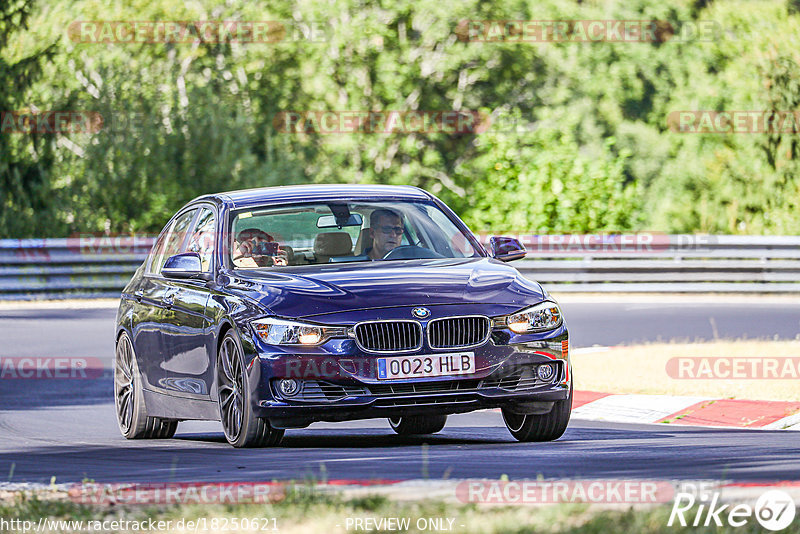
point(94, 267)
point(100, 267)
point(678, 263)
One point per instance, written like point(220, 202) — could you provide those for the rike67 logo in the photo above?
point(774, 510)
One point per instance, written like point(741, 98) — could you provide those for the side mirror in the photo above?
point(184, 266)
point(506, 248)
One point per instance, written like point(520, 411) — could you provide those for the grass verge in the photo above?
point(308, 512)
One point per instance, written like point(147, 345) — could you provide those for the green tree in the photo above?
point(27, 205)
point(191, 118)
point(541, 182)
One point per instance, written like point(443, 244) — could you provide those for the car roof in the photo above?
point(317, 192)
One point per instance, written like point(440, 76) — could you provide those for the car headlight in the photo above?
point(282, 332)
point(544, 316)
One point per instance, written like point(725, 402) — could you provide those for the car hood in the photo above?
point(332, 288)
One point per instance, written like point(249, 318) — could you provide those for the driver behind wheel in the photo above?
point(386, 232)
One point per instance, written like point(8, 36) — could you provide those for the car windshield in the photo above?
point(341, 232)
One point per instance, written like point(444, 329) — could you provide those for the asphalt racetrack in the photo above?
point(66, 428)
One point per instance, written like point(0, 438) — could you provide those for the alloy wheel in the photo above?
point(124, 383)
point(231, 388)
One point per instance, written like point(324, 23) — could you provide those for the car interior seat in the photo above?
point(363, 242)
point(332, 244)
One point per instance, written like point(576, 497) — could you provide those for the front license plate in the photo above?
point(451, 363)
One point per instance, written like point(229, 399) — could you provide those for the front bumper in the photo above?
point(341, 384)
point(289, 415)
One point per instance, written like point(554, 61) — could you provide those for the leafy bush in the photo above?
point(540, 181)
point(592, 151)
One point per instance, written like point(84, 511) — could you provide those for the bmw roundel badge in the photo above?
point(421, 313)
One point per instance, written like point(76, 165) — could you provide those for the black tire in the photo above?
point(540, 427)
point(132, 418)
point(242, 428)
point(418, 424)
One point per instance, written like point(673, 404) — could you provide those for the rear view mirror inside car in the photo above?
point(329, 221)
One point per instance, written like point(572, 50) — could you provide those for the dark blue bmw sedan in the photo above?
point(274, 308)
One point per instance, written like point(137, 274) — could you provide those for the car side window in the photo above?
point(158, 249)
point(173, 244)
point(202, 237)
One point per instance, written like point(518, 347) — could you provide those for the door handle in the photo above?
point(169, 299)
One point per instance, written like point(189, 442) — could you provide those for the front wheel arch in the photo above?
point(242, 387)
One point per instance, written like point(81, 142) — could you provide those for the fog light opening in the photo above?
point(546, 372)
point(289, 387)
